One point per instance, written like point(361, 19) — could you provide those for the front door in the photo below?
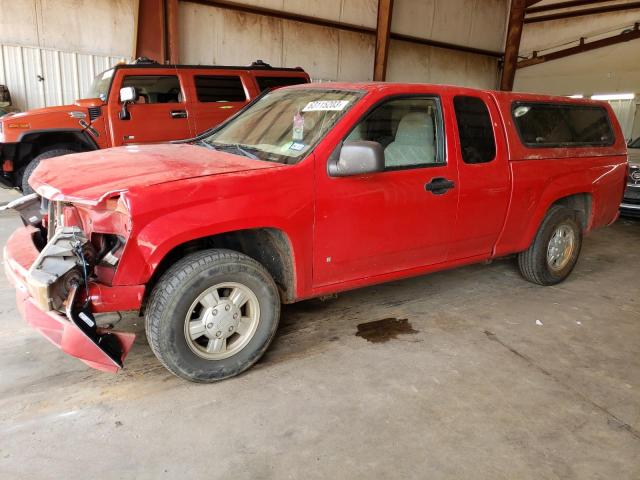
point(158, 115)
point(393, 220)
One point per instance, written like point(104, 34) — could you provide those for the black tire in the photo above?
point(177, 290)
point(31, 166)
point(533, 261)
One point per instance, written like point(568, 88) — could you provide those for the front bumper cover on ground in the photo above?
point(19, 254)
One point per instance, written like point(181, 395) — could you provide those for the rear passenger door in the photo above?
point(484, 176)
point(216, 97)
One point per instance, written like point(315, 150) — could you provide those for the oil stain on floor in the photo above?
point(380, 331)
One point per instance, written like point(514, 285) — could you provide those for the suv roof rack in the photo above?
point(144, 61)
point(260, 63)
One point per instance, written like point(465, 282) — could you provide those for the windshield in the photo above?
point(284, 125)
point(635, 143)
point(100, 85)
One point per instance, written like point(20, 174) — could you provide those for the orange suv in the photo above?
point(144, 102)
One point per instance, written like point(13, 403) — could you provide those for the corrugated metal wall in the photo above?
point(39, 77)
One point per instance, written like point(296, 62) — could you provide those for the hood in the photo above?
point(634, 156)
point(64, 117)
point(63, 110)
point(91, 177)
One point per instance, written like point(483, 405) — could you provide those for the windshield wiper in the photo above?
point(204, 144)
point(238, 148)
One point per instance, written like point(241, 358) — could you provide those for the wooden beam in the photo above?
point(568, 4)
point(626, 36)
point(383, 29)
point(150, 36)
point(435, 43)
point(173, 45)
point(585, 11)
point(295, 17)
point(512, 44)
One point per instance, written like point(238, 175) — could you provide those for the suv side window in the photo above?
point(409, 129)
point(477, 142)
point(155, 88)
point(265, 83)
point(219, 88)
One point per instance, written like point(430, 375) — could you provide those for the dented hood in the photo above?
point(90, 177)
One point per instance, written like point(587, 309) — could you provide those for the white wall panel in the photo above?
point(314, 48)
point(102, 27)
point(220, 36)
point(357, 12)
point(65, 76)
point(473, 23)
point(422, 64)
point(606, 70)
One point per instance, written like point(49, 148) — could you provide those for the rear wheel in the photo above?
point(212, 315)
point(31, 166)
point(555, 248)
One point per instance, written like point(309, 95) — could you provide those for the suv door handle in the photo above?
point(178, 114)
point(439, 185)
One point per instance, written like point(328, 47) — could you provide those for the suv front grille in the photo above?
point(94, 112)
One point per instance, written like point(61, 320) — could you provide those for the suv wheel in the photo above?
point(555, 248)
point(212, 315)
point(31, 166)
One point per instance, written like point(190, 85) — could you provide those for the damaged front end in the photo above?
point(52, 261)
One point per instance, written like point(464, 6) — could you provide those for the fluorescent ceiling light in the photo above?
point(614, 96)
point(577, 95)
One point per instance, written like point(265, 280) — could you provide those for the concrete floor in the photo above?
point(503, 379)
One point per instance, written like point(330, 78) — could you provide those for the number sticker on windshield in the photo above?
point(326, 106)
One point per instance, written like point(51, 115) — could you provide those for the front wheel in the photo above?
point(555, 249)
point(26, 172)
point(212, 315)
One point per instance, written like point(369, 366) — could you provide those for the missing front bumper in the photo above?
point(94, 346)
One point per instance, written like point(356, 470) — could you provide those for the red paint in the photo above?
point(344, 233)
point(19, 254)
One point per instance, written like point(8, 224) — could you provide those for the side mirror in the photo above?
point(127, 95)
point(357, 158)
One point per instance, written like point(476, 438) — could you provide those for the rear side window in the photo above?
point(477, 142)
point(265, 83)
point(562, 125)
point(219, 88)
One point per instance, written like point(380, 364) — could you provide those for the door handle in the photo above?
point(178, 114)
point(439, 186)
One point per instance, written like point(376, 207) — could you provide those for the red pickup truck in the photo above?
point(144, 102)
point(312, 190)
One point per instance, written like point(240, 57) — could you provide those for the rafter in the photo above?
point(583, 46)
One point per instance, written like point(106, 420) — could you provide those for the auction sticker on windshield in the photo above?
point(326, 106)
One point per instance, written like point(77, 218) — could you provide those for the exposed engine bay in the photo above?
point(59, 278)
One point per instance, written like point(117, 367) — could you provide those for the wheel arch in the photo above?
point(269, 246)
point(580, 202)
point(33, 143)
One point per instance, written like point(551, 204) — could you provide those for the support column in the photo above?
point(383, 29)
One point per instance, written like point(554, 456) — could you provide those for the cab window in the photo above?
point(477, 142)
point(155, 88)
point(409, 130)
